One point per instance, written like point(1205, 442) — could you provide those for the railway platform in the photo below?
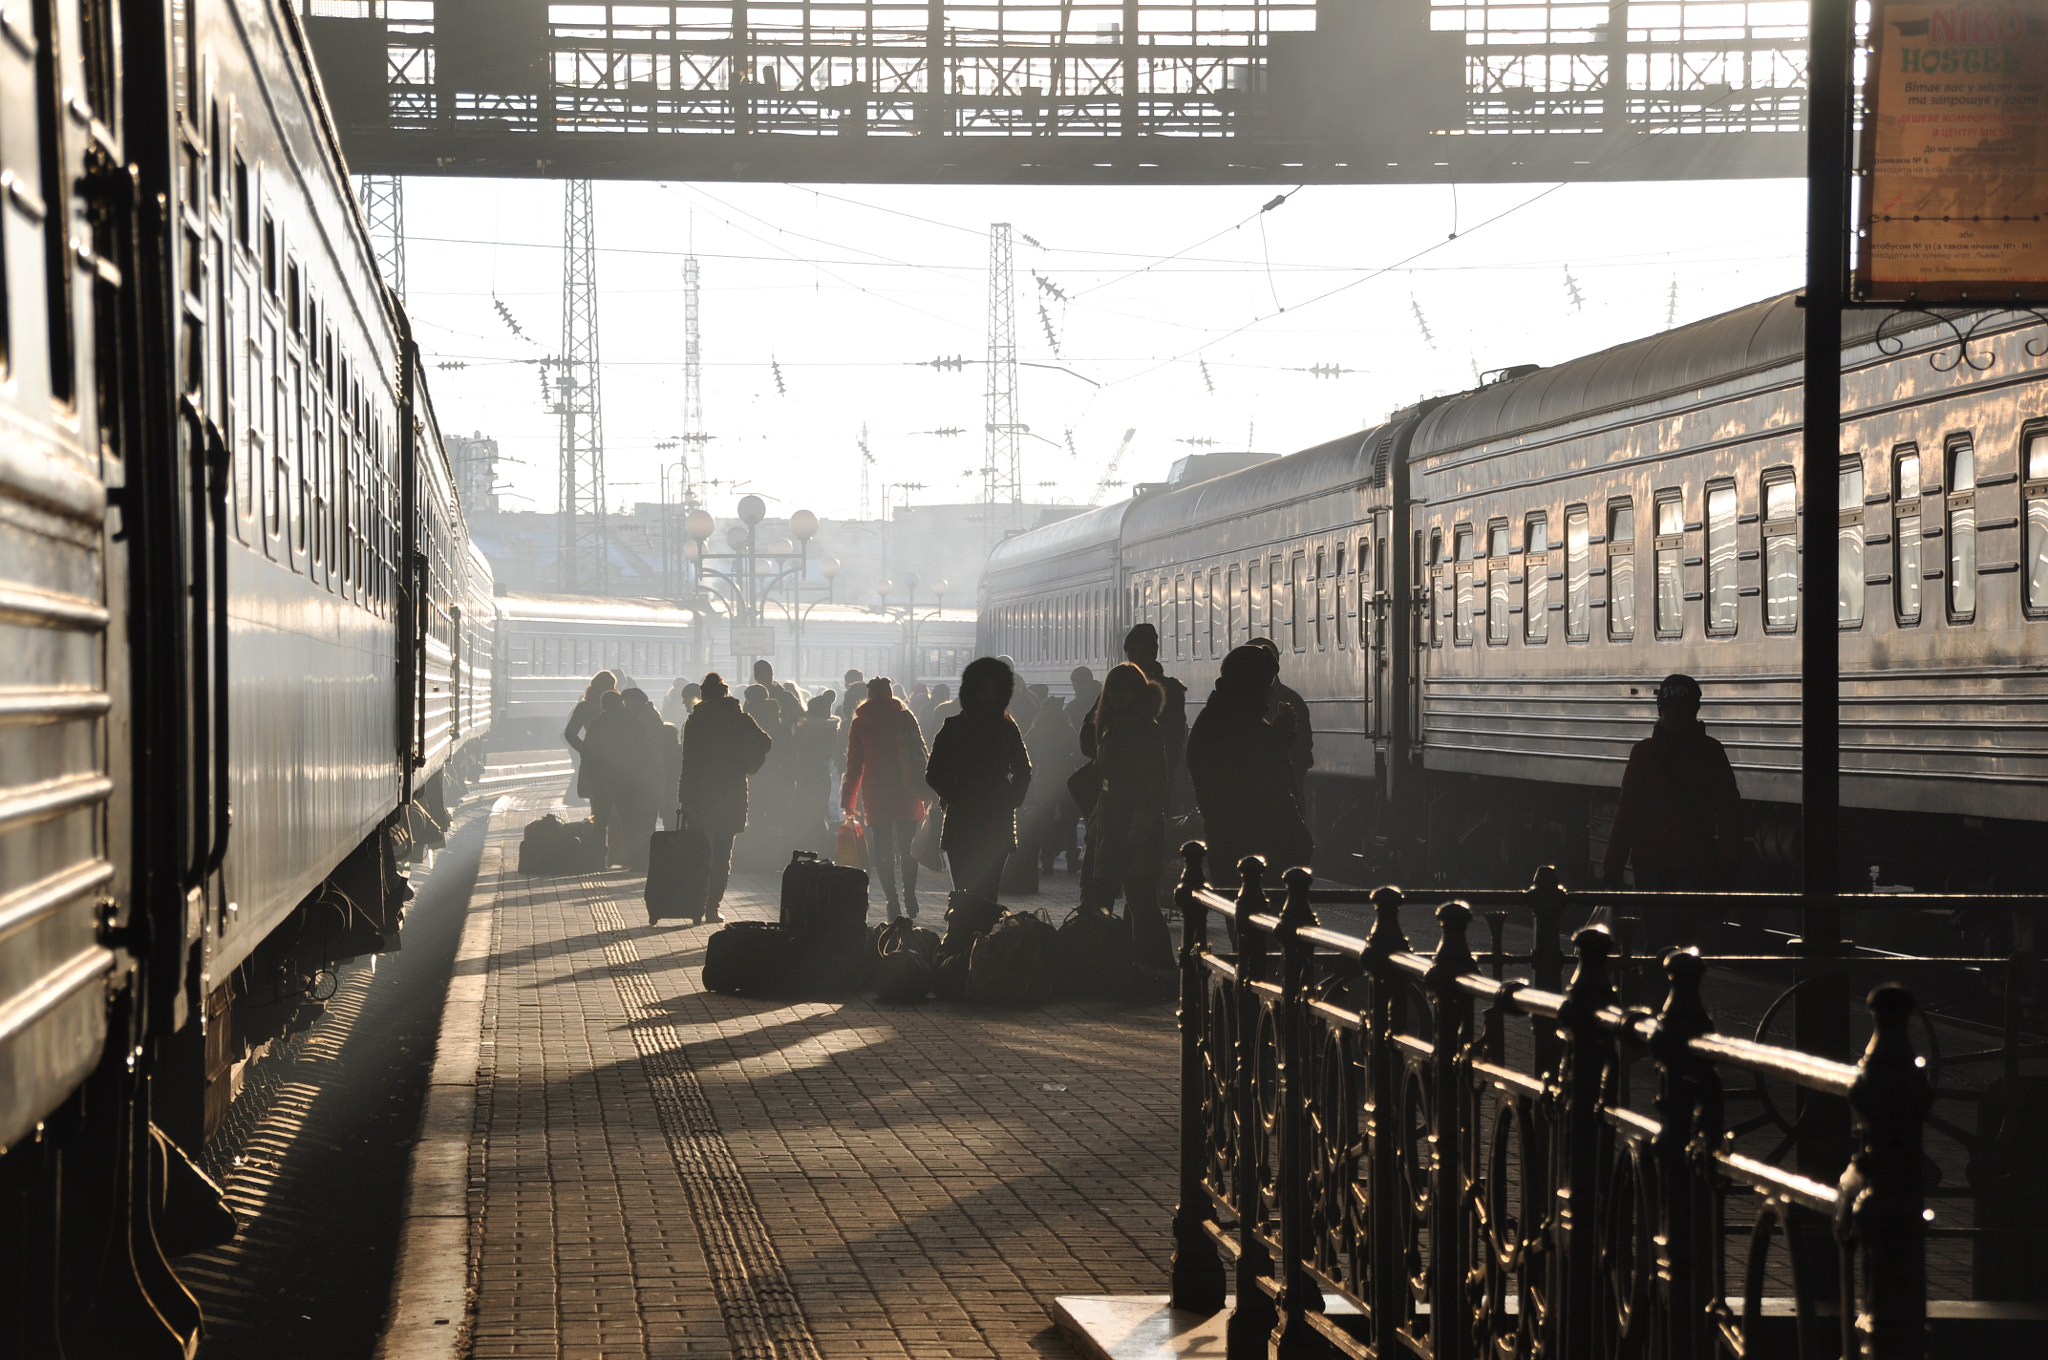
point(615, 1162)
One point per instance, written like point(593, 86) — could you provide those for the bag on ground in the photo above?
point(1094, 957)
point(821, 896)
point(1012, 964)
point(924, 846)
point(903, 967)
point(678, 874)
point(751, 958)
point(551, 846)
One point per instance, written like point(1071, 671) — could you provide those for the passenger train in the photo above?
point(250, 641)
point(1478, 597)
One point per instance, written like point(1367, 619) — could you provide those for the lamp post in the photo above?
point(747, 591)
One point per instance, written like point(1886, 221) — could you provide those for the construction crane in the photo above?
point(1109, 473)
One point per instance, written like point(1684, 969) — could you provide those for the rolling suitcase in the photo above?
point(751, 958)
point(824, 898)
point(678, 874)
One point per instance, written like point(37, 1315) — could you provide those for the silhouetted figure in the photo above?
point(920, 703)
point(675, 705)
point(852, 696)
point(1087, 689)
point(1046, 825)
point(944, 706)
point(1680, 817)
point(884, 785)
point(627, 742)
point(1127, 830)
point(580, 719)
point(599, 779)
point(817, 746)
point(981, 773)
point(1141, 649)
point(1243, 783)
point(722, 748)
point(1288, 711)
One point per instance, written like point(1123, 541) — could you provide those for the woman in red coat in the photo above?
point(884, 784)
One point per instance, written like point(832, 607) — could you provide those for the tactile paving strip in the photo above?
point(763, 1320)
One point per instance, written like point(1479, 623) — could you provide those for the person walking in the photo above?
point(1127, 830)
point(722, 749)
point(1288, 711)
point(981, 773)
point(1679, 821)
point(1238, 761)
point(628, 742)
point(817, 745)
point(884, 787)
point(597, 780)
point(580, 719)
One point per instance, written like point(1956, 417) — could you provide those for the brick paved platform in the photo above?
point(655, 1170)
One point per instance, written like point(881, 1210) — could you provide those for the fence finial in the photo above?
point(1387, 936)
point(1299, 913)
point(1882, 1195)
point(1453, 951)
point(1684, 1013)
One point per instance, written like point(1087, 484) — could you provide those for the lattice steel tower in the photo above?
point(693, 388)
point(1002, 476)
point(583, 542)
point(383, 200)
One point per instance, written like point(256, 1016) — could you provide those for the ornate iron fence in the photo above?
point(1386, 1180)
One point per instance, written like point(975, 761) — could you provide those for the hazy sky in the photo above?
point(851, 289)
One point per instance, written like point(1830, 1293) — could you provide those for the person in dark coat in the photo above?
point(884, 787)
point(1087, 689)
point(981, 773)
point(1680, 817)
point(817, 747)
point(1127, 830)
point(599, 777)
point(722, 748)
point(851, 698)
point(580, 719)
point(1047, 820)
point(1141, 649)
point(627, 742)
point(1243, 783)
point(1288, 711)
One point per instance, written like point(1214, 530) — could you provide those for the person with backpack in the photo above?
point(1127, 829)
point(1679, 822)
point(981, 773)
point(722, 749)
point(1244, 783)
point(884, 786)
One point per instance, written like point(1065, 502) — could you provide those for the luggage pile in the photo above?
point(553, 847)
point(819, 948)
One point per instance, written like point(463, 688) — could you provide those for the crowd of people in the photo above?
point(930, 779)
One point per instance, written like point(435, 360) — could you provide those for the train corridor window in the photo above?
point(1215, 610)
point(56, 195)
point(1849, 587)
point(1463, 603)
point(1962, 530)
point(1907, 549)
point(1316, 600)
point(1621, 570)
point(2034, 466)
point(1183, 617)
point(1497, 583)
point(1230, 606)
point(1296, 568)
point(1536, 580)
point(1426, 584)
point(1670, 564)
point(1578, 575)
point(1338, 592)
point(1781, 553)
point(1722, 594)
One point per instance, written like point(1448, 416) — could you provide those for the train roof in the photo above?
point(1751, 339)
point(592, 609)
point(1339, 463)
point(1089, 529)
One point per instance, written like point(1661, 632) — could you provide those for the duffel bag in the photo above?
point(903, 966)
point(751, 958)
point(1012, 964)
point(1094, 956)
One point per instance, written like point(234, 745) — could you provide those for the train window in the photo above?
point(1670, 552)
point(1781, 553)
point(1317, 599)
point(1721, 575)
point(268, 260)
point(292, 299)
point(56, 195)
point(1463, 600)
point(1296, 567)
point(1338, 591)
point(1230, 606)
point(1849, 587)
point(1183, 617)
point(1621, 570)
point(1536, 580)
point(1578, 575)
point(2034, 463)
point(1216, 611)
point(1497, 583)
point(1962, 529)
point(1907, 545)
point(293, 395)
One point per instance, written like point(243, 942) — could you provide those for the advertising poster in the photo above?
point(1955, 189)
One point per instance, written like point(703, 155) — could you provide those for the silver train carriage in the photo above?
point(249, 635)
point(550, 645)
point(1477, 599)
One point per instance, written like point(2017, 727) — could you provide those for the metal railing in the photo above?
point(1401, 1154)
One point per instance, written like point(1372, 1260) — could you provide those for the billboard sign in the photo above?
point(1955, 153)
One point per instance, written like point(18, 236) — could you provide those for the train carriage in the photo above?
point(1051, 598)
point(550, 645)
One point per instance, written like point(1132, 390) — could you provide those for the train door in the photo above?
point(1375, 627)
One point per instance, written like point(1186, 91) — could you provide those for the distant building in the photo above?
point(475, 462)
